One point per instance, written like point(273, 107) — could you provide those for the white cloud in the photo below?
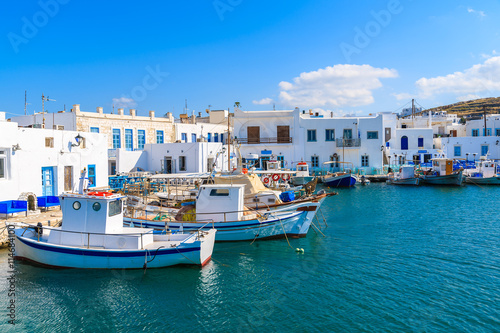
point(479, 13)
point(334, 86)
point(467, 97)
point(403, 96)
point(124, 102)
point(264, 101)
point(479, 78)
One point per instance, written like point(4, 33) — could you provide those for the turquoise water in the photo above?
point(395, 259)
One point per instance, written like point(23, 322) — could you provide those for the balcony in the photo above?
point(348, 143)
point(256, 141)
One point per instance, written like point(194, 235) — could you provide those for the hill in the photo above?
point(471, 108)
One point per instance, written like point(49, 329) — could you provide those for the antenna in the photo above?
point(45, 98)
point(186, 107)
point(25, 102)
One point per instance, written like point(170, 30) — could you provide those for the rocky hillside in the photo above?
point(472, 108)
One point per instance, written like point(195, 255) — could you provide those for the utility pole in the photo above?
point(45, 98)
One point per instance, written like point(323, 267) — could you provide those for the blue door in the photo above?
point(48, 181)
point(404, 143)
point(91, 175)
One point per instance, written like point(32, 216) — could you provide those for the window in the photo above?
point(94, 130)
point(311, 135)
point(222, 138)
point(216, 137)
point(219, 192)
point(347, 133)
point(315, 161)
point(159, 136)
point(3, 164)
point(488, 132)
point(115, 207)
point(92, 175)
point(193, 137)
point(420, 142)
point(372, 135)
point(457, 151)
point(209, 137)
point(365, 161)
point(141, 139)
point(497, 131)
point(484, 150)
point(116, 138)
point(184, 137)
point(49, 142)
point(129, 137)
point(475, 132)
point(281, 159)
point(330, 135)
point(182, 163)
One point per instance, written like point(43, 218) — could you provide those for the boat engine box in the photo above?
point(287, 196)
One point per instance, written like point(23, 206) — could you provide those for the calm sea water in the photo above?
point(395, 259)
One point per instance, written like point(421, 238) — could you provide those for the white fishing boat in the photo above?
point(93, 235)
point(302, 175)
point(442, 173)
point(406, 176)
point(485, 173)
point(222, 205)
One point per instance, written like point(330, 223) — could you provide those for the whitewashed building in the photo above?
point(47, 161)
point(197, 157)
point(295, 135)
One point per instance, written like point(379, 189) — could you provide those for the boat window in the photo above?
point(96, 206)
point(115, 207)
point(77, 205)
point(220, 192)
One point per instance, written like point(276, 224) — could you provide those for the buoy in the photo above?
point(299, 250)
point(276, 177)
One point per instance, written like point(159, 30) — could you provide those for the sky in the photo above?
point(349, 57)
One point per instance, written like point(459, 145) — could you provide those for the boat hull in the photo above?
point(345, 180)
point(453, 179)
point(290, 221)
point(27, 247)
point(297, 181)
point(495, 180)
point(407, 181)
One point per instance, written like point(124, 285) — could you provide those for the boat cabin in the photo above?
point(443, 166)
point(220, 202)
point(487, 168)
point(95, 219)
point(302, 169)
point(407, 172)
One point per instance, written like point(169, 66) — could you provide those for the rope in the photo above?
point(285, 233)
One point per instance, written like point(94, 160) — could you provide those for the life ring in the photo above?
point(265, 180)
point(285, 177)
point(276, 177)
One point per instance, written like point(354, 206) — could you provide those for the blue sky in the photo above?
point(343, 56)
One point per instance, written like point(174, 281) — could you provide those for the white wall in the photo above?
point(492, 122)
point(24, 166)
point(471, 145)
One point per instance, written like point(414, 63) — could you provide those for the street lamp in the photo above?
point(78, 140)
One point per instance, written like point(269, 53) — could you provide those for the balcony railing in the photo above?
point(256, 141)
point(341, 142)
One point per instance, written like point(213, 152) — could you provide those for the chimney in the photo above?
point(170, 116)
point(99, 109)
point(132, 112)
point(151, 114)
point(199, 114)
point(76, 108)
point(120, 111)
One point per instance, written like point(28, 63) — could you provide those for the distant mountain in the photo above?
point(471, 108)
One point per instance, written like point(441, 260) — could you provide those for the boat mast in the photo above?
point(228, 143)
